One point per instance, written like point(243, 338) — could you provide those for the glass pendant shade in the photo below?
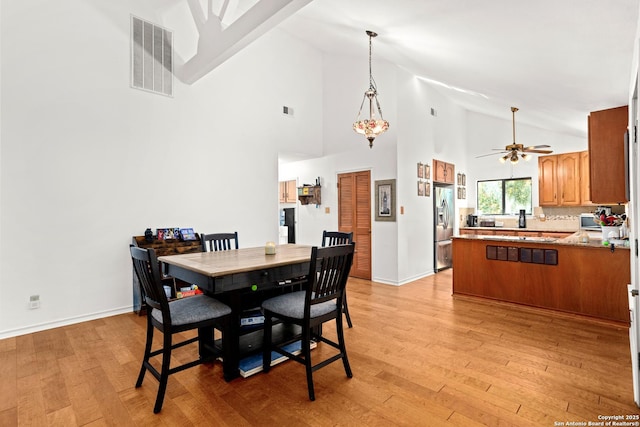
point(372, 126)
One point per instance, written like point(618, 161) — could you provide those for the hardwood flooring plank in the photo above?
point(8, 385)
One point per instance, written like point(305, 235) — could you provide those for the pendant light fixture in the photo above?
point(372, 126)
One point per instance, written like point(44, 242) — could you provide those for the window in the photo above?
point(504, 196)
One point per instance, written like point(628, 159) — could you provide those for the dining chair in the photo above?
point(320, 302)
point(334, 238)
point(171, 317)
point(219, 241)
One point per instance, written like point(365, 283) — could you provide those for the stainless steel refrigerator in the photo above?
point(443, 205)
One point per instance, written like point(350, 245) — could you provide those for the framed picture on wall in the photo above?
point(427, 171)
point(427, 189)
point(385, 200)
point(420, 188)
point(420, 170)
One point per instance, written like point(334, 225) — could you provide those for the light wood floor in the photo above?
point(419, 357)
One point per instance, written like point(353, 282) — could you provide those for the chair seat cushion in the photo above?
point(292, 305)
point(193, 309)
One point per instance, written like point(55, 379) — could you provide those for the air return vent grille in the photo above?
point(151, 57)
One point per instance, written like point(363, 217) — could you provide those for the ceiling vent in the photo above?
point(151, 57)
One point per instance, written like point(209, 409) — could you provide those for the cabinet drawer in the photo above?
point(263, 279)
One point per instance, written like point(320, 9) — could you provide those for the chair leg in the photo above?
point(266, 342)
point(345, 310)
point(343, 348)
point(306, 351)
point(164, 374)
point(229, 349)
point(147, 351)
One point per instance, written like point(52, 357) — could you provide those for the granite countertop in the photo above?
point(537, 229)
point(595, 239)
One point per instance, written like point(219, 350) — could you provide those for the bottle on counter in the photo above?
point(522, 220)
point(584, 237)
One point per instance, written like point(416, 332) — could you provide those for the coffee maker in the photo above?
point(472, 220)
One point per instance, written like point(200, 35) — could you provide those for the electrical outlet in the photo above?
point(34, 302)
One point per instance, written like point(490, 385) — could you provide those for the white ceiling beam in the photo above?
point(216, 44)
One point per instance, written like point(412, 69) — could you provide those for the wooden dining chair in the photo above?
point(334, 238)
point(320, 302)
point(171, 317)
point(219, 241)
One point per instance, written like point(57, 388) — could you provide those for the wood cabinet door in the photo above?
point(443, 172)
point(606, 151)
point(585, 179)
point(439, 171)
point(547, 180)
point(291, 191)
point(568, 170)
point(449, 173)
point(287, 191)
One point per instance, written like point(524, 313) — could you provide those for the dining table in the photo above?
point(242, 278)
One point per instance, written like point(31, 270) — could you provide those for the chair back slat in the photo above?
point(328, 273)
point(334, 238)
point(219, 241)
point(145, 264)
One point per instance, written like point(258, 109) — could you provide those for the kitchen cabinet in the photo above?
point(560, 181)
point(585, 179)
point(287, 192)
point(547, 180)
point(607, 161)
point(597, 289)
point(443, 172)
point(569, 179)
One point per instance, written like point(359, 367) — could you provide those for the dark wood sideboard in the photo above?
point(162, 247)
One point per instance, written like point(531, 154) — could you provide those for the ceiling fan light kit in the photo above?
point(516, 151)
point(371, 127)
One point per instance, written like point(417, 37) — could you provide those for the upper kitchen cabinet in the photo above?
point(560, 180)
point(443, 172)
point(569, 179)
point(547, 180)
point(585, 179)
point(607, 161)
point(288, 193)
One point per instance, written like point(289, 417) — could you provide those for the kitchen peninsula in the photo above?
point(561, 274)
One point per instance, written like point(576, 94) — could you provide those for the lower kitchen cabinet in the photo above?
point(585, 280)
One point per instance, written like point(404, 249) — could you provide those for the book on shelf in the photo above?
point(187, 234)
point(251, 365)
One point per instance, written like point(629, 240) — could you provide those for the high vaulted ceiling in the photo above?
point(556, 60)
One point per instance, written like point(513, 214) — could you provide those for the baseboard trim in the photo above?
point(405, 281)
point(9, 333)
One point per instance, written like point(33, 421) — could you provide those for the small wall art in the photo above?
point(385, 200)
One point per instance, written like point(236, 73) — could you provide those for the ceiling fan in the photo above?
point(514, 152)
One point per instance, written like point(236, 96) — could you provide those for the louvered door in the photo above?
point(354, 215)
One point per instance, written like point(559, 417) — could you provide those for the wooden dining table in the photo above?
point(238, 277)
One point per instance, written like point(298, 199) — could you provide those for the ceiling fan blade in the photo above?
point(539, 151)
point(535, 147)
point(491, 154)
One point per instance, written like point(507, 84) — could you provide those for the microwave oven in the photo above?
point(587, 222)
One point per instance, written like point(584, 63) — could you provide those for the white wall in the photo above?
point(87, 162)
point(423, 138)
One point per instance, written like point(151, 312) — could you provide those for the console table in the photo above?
point(162, 248)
